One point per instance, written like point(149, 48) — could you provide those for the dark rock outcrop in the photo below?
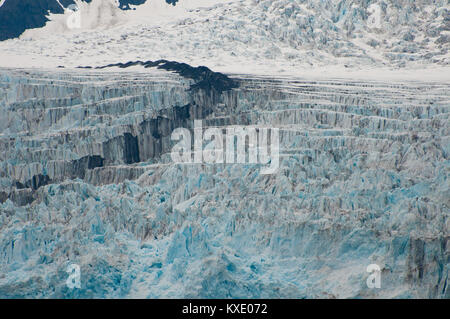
point(204, 78)
point(16, 16)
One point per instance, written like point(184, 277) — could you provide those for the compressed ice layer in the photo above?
point(363, 179)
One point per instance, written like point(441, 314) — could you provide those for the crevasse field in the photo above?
point(363, 111)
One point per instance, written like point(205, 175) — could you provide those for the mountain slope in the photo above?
point(16, 16)
point(248, 35)
point(86, 178)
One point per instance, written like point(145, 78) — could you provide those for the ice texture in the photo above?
point(249, 36)
point(85, 178)
point(18, 16)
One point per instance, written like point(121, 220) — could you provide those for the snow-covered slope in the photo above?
point(248, 35)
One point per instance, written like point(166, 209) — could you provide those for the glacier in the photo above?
point(281, 36)
point(86, 179)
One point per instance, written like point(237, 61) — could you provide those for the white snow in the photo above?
point(288, 38)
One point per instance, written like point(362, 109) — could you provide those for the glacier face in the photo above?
point(86, 179)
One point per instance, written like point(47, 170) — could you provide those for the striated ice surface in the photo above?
point(85, 178)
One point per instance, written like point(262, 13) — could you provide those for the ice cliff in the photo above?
point(85, 178)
